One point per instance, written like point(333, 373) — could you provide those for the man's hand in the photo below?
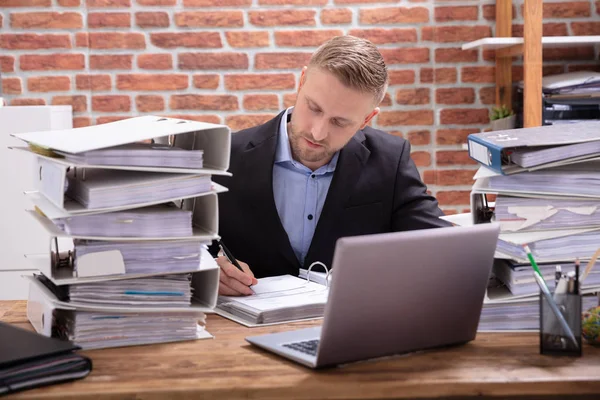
point(232, 281)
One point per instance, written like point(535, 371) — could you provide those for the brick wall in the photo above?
point(237, 62)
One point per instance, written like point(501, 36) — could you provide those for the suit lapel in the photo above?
point(257, 160)
point(347, 172)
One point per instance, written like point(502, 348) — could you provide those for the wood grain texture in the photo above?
point(493, 366)
point(503, 64)
point(532, 63)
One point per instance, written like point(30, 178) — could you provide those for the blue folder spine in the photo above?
point(485, 153)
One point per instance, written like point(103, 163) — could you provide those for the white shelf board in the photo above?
point(495, 43)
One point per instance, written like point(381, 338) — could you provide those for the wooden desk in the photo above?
point(493, 366)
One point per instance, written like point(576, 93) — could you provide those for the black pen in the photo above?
point(230, 256)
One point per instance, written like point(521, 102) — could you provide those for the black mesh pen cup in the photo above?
point(554, 340)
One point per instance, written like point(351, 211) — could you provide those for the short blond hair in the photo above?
point(355, 62)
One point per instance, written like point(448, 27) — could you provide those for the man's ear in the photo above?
point(302, 78)
point(370, 117)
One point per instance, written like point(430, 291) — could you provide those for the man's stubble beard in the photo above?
point(304, 153)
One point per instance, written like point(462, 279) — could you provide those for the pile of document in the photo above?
point(547, 186)
point(128, 225)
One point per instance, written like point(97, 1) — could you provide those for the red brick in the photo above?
point(394, 15)
point(548, 29)
point(568, 9)
point(155, 61)
point(386, 102)
point(78, 102)
point(93, 82)
point(46, 20)
point(281, 60)
point(157, 2)
point(568, 53)
point(11, 86)
point(111, 61)
point(456, 13)
point(589, 28)
point(449, 34)
point(7, 64)
point(282, 17)
point(260, 81)
point(455, 55)
point(152, 82)
point(261, 102)
point(384, 36)
point(363, 1)
point(336, 16)
point(117, 40)
point(419, 138)
point(152, 19)
point(170, 40)
point(453, 136)
point(487, 95)
point(203, 19)
point(454, 197)
point(489, 12)
point(517, 71)
point(478, 74)
point(149, 103)
point(413, 96)
point(111, 118)
point(25, 3)
point(405, 55)
point(464, 116)
point(33, 41)
point(292, 2)
point(584, 67)
point(239, 122)
point(211, 118)
point(247, 39)
point(413, 117)
point(49, 83)
point(207, 81)
point(438, 75)
point(217, 3)
point(27, 102)
point(311, 38)
point(455, 96)
point(222, 102)
point(80, 122)
point(109, 20)
point(421, 158)
point(1, 20)
point(449, 158)
point(449, 177)
point(289, 99)
point(46, 62)
point(401, 77)
point(82, 39)
point(213, 61)
point(108, 3)
point(111, 103)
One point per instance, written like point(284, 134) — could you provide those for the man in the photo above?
point(317, 172)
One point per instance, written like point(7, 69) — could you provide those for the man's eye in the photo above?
point(337, 123)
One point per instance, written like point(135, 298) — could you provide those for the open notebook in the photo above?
point(276, 300)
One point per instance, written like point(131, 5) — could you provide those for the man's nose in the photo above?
point(319, 130)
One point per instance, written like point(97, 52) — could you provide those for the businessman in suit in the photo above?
point(318, 172)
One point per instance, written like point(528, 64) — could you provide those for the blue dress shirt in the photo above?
point(299, 192)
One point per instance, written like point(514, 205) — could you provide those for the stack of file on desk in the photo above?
point(547, 186)
point(128, 226)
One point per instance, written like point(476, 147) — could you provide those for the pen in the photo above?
point(229, 256)
point(542, 284)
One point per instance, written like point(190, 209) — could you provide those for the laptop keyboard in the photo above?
point(307, 347)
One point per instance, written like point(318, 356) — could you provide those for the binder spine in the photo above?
point(485, 153)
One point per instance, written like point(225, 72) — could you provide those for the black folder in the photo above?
point(29, 360)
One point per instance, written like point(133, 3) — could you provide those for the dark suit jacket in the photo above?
point(375, 188)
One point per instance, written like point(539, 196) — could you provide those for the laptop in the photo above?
point(394, 293)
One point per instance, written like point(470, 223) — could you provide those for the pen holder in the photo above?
point(553, 339)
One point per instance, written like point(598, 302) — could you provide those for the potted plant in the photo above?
point(502, 118)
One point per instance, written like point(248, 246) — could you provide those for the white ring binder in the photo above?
point(326, 272)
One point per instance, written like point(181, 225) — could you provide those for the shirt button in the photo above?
point(312, 176)
point(310, 217)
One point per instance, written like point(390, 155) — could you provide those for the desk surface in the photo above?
point(503, 365)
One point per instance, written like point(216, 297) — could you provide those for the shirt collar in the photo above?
point(284, 152)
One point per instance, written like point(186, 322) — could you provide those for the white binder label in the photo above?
point(51, 178)
point(479, 152)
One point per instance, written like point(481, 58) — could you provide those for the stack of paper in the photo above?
point(276, 299)
point(140, 155)
point(164, 220)
point(129, 264)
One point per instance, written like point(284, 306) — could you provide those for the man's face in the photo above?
point(326, 116)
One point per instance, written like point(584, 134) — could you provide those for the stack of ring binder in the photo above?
point(128, 262)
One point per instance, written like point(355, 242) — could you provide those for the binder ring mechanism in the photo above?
point(66, 259)
point(327, 274)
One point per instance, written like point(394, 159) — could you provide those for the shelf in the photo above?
point(496, 43)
